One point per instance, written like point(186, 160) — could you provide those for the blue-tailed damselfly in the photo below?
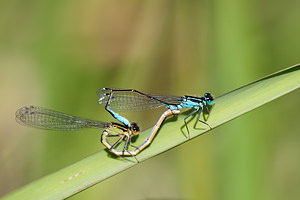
point(119, 100)
point(43, 118)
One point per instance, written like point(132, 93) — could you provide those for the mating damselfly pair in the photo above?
point(114, 101)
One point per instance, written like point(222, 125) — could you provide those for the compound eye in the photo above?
point(208, 97)
point(135, 128)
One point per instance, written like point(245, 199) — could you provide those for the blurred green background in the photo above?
point(57, 54)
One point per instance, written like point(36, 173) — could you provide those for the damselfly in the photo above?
point(43, 118)
point(119, 100)
point(146, 142)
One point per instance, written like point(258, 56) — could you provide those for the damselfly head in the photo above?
point(135, 128)
point(208, 98)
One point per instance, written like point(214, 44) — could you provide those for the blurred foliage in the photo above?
point(56, 54)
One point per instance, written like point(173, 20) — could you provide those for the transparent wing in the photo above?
point(43, 118)
point(132, 100)
point(174, 100)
